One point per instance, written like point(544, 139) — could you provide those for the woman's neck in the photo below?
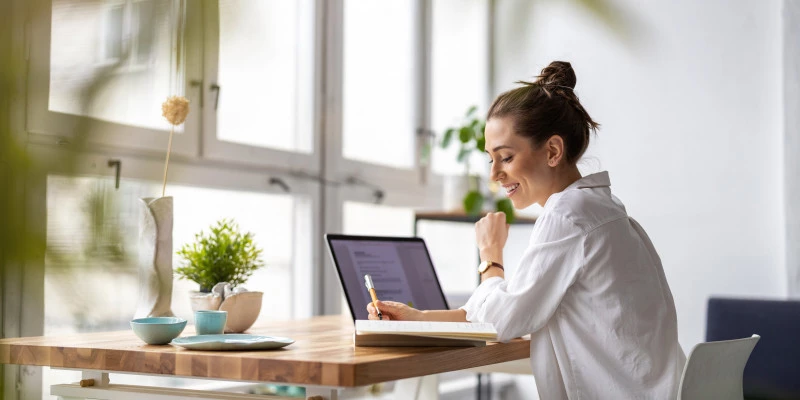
point(562, 178)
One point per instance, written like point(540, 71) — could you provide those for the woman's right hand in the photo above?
point(393, 310)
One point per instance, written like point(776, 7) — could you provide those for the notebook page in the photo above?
point(465, 329)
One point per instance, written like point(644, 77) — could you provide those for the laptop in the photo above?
point(400, 267)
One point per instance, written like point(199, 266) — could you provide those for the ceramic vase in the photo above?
point(155, 258)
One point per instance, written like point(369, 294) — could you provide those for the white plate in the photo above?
point(231, 341)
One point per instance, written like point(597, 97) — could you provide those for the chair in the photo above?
point(714, 370)
point(773, 369)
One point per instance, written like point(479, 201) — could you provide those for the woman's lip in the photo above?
point(511, 193)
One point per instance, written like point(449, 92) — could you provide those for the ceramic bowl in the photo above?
point(158, 330)
point(243, 309)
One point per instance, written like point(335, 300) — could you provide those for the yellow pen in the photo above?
point(371, 288)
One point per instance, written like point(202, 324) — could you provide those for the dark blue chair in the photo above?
point(773, 370)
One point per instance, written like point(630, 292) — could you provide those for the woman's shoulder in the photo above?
point(585, 208)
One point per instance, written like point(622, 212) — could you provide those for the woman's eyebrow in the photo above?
point(502, 146)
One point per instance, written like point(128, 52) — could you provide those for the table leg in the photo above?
point(421, 388)
point(321, 393)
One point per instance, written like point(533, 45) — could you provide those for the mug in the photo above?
point(210, 322)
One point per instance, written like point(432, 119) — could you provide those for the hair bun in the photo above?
point(558, 73)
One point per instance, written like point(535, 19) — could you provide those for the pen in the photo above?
point(371, 288)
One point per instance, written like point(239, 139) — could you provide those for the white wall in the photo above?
point(692, 131)
point(791, 107)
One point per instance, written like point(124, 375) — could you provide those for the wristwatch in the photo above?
point(485, 265)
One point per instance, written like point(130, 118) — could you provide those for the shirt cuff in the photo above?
point(479, 297)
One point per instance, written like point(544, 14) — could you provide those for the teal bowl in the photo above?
point(158, 330)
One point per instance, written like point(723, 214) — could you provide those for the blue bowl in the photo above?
point(158, 330)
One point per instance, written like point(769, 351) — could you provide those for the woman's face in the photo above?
point(521, 169)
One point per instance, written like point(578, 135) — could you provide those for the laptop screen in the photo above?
point(401, 270)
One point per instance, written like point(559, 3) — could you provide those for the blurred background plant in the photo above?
point(470, 138)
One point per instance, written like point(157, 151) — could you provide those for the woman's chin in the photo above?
point(519, 203)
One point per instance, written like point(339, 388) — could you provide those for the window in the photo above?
point(459, 73)
point(294, 131)
point(266, 74)
point(129, 44)
point(379, 82)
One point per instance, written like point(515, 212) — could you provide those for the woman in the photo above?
point(590, 289)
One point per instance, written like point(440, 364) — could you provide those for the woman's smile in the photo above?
point(511, 189)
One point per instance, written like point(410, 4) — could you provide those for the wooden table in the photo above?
point(322, 359)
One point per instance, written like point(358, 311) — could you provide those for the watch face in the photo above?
point(483, 266)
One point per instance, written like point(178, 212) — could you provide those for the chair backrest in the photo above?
point(714, 370)
point(774, 367)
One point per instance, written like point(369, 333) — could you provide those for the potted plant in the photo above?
point(220, 262)
point(470, 135)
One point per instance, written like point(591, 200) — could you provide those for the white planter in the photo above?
point(243, 307)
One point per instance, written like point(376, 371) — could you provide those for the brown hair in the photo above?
point(547, 107)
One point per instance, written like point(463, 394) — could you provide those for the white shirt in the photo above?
point(591, 291)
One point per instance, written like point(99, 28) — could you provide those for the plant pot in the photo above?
point(243, 309)
point(155, 258)
point(204, 301)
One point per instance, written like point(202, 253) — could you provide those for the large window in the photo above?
point(306, 117)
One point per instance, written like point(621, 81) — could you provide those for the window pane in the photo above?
point(459, 70)
point(379, 71)
point(266, 73)
point(130, 45)
point(91, 259)
point(92, 239)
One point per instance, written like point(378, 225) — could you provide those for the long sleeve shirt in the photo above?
point(591, 291)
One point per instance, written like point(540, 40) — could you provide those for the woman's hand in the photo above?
point(393, 310)
point(491, 233)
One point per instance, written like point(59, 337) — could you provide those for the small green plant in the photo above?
point(471, 138)
point(224, 255)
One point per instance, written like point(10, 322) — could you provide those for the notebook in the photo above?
point(422, 333)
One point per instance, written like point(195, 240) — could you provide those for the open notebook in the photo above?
point(422, 333)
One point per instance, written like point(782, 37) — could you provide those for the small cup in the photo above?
point(210, 322)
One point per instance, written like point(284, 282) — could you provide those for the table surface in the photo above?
point(323, 354)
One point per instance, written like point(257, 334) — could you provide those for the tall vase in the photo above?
point(155, 258)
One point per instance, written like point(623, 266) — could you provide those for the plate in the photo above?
point(231, 341)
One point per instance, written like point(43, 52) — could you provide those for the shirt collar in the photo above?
point(599, 179)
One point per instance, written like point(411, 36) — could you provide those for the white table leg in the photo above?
point(321, 393)
point(421, 388)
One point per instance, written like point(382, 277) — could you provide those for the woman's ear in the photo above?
point(555, 150)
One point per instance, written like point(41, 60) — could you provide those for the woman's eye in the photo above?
point(507, 159)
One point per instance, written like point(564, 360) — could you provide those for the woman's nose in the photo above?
point(495, 173)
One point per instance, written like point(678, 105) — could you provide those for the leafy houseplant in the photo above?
point(471, 138)
point(223, 255)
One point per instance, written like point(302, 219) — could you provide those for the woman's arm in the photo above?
point(445, 315)
point(392, 310)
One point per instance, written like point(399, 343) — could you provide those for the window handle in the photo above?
point(198, 83)
point(216, 88)
point(117, 164)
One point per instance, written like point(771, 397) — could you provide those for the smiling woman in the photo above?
point(590, 288)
